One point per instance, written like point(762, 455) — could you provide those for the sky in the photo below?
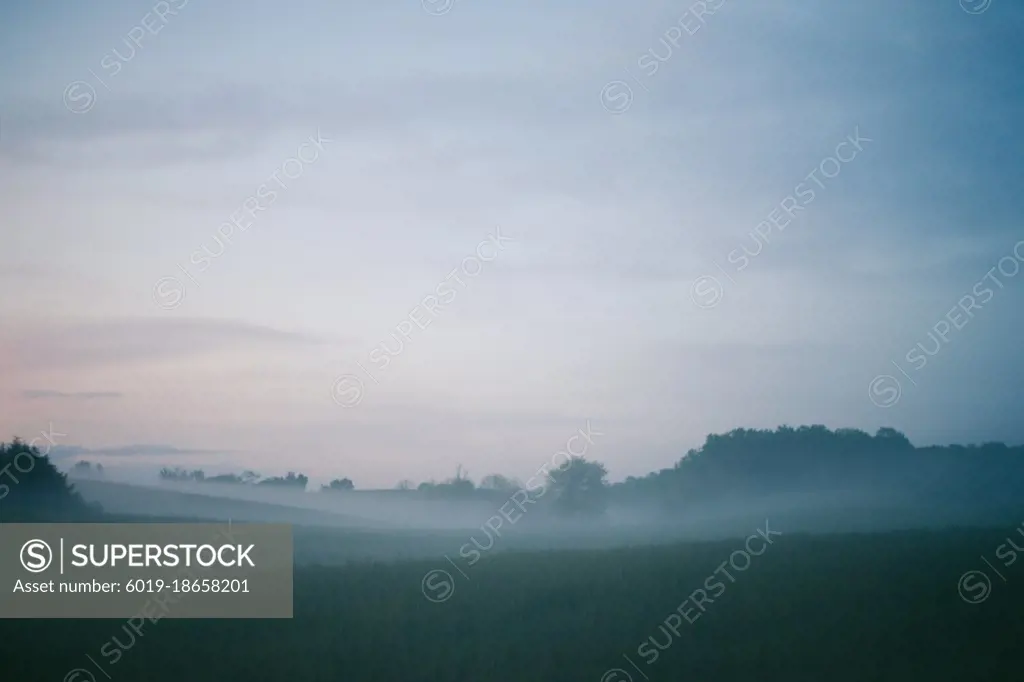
point(382, 240)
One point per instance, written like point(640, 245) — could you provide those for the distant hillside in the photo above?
point(124, 499)
point(748, 463)
point(366, 509)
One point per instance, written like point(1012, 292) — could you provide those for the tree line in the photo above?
point(248, 477)
point(742, 462)
point(750, 462)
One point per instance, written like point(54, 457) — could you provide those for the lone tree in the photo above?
point(499, 483)
point(339, 484)
point(32, 489)
point(579, 488)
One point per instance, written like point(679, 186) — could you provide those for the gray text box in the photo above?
point(151, 570)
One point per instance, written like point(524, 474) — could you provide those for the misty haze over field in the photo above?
point(809, 479)
point(577, 341)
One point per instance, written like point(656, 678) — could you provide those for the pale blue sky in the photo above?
point(490, 117)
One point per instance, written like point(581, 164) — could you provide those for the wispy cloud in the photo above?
point(43, 394)
point(139, 450)
point(118, 341)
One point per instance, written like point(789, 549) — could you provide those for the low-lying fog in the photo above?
point(386, 524)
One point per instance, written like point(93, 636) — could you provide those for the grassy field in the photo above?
point(840, 607)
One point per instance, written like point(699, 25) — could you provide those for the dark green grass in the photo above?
point(840, 607)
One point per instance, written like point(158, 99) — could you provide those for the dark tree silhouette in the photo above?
point(178, 474)
point(578, 487)
point(289, 481)
point(460, 486)
point(32, 489)
point(339, 484)
point(499, 483)
point(746, 462)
